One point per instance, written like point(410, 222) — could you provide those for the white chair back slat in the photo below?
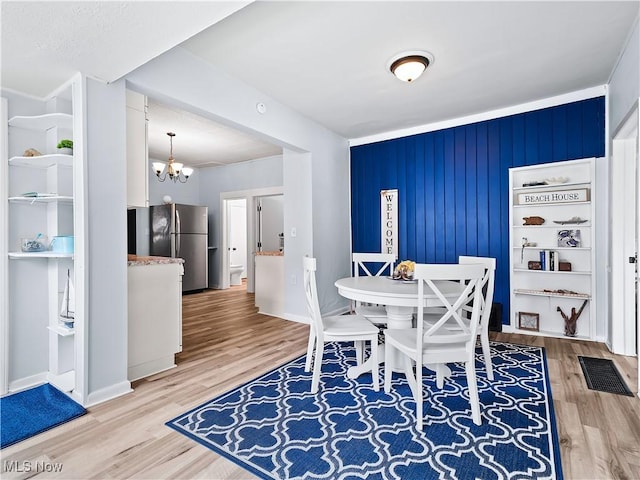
point(367, 263)
point(488, 284)
point(469, 275)
point(453, 310)
point(364, 261)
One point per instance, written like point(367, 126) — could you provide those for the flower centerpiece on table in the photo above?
point(404, 270)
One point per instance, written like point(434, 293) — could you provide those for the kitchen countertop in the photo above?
point(137, 260)
point(275, 253)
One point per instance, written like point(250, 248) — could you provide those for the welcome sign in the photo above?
point(389, 221)
point(556, 196)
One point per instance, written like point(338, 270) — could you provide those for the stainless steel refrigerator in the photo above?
point(181, 231)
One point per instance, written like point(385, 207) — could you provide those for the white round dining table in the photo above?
point(400, 299)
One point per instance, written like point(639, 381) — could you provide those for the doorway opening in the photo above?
point(250, 199)
point(237, 241)
point(625, 228)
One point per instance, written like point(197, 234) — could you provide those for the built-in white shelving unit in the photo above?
point(552, 261)
point(41, 202)
point(46, 254)
point(42, 123)
point(42, 161)
point(62, 331)
point(42, 199)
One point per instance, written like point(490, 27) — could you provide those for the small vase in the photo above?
point(65, 151)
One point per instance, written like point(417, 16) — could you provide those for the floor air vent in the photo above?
point(602, 375)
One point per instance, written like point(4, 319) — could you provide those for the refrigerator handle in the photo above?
point(177, 253)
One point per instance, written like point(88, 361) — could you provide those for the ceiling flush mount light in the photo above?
point(175, 171)
point(408, 66)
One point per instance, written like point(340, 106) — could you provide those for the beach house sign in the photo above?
point(389, 221)
point(556, 196)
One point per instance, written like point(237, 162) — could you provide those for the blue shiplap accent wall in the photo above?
point(453, 184)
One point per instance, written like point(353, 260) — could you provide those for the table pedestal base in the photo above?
point(397, 318)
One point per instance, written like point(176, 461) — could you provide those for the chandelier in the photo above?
point(176, 171)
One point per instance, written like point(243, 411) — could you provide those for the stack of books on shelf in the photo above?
point(549, 260)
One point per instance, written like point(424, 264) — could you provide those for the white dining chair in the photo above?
point(488, 280)
point(372, 265)
point(337, 328)
point(438, 344)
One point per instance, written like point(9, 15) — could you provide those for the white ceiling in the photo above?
point(45, 42)
point(327, 60)
point(199, 141)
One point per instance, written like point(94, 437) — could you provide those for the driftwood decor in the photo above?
point(570, 323)
point(533, 220)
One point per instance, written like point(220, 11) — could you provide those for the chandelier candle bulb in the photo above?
point(158, 167)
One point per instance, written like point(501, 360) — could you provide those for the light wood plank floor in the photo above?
point(226, 343)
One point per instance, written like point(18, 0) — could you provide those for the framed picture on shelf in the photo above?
point(569, 238)
point(529, 321)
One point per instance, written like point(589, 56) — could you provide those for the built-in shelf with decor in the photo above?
point(43, 161)
point(41, 201)
point(552, 255)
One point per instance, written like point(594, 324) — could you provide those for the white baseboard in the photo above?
point(108, 393)
point(27, 382)
point(295, 318)
point(136, 372)
point(508, 328)
point(269, 314)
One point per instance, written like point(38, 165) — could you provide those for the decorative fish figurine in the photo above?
point(571, 221)
point(533, 220)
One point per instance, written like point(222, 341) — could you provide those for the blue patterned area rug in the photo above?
point(273, 427)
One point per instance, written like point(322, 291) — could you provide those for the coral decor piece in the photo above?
point(31, 152)
point(556, 180)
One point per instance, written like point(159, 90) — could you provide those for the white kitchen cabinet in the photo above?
point(137, 151)
point(552, 220)
point(154, 314)
point(41, 196)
